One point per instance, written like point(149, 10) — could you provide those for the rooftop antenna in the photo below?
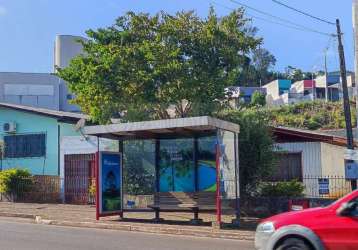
point(79, 126)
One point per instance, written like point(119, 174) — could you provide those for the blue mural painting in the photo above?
point(207, 163)
point(177, 166)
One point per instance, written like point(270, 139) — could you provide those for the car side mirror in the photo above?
point(346, 209)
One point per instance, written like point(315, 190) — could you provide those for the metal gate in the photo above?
point(79, 178)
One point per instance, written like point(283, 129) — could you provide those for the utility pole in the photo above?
point(346, 104)
point(355, 29)
point(326, 75)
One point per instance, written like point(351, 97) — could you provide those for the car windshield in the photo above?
point(355, 207)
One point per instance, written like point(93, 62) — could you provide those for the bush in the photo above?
point(15, 181)
point(258, 99)
point(292, 188)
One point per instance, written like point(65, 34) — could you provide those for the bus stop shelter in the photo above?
point(196, 162)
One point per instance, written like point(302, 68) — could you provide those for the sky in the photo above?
point(28, 28)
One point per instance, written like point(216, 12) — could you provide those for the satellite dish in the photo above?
point(80, 124)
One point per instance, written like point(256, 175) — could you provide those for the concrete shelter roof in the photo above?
point(161, 128)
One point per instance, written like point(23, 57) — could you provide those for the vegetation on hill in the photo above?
point(311, 115)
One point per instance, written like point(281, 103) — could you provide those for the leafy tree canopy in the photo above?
point(256, 146)
point(143, 64)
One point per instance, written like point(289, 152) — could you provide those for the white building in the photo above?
point(313, 157)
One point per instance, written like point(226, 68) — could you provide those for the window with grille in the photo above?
point(24, 146)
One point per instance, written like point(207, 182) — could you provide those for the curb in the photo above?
point(248, 236)
point(17, 215)
point(219, 234)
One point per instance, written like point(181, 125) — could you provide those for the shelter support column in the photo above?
point(121, 150)
point(218, 193)
point(228, 196)
point(236, 221)
point(97, 176)
point(157, 177)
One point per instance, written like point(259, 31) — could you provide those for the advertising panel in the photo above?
point(109, 183)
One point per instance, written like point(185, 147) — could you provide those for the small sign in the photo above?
point(323, 186)
point(109, 184)
point(351, 170)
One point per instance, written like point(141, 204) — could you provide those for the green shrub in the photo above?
point(292, 188)
point(15, 181)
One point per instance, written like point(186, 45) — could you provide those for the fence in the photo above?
point(53, 189)
point(50, 189)
point(330, 187)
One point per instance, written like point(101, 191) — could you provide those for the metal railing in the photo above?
point(331, 187)
point(50, 189)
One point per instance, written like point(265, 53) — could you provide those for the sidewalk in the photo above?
point(84, 216)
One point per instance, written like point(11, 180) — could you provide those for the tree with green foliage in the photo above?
point(143, 64)
point(256, 147)
point(258, 99)
point(296, 74)
point(263, 62)
point(139, 176)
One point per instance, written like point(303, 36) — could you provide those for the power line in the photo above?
point(304, 13)
point(263, 19)
point(281, 19)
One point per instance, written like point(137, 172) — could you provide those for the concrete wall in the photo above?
point(65, 97)
point(40, 90)
point(333, 165)
point(30, 89)
point(333, 160)
point(66, 48)
point(272, 92)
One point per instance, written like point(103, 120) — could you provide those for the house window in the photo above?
point(23, 146)
point(289, 167)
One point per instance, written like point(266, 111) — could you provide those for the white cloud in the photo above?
point(3, 11)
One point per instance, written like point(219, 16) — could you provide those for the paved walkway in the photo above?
point(82, 215)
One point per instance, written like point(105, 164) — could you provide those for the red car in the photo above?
point(334, 227)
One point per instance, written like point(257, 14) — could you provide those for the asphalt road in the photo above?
point(19, 234)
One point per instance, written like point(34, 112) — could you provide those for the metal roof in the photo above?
point(286, 134)
point(61, 115)
point(162, 128)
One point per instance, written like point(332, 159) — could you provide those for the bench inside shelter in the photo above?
point(183, 201)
